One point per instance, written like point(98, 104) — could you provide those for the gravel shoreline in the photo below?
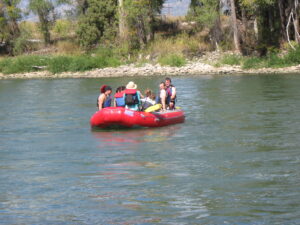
point(192, 68)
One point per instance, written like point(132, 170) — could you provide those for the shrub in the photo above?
point(293, 56)
point(172, 60)
point(273, 60)
point(21, 43)
point(232, 60)
point(63, 28)
point(21, 64)
point(252, 63)
point(81, 63)
point(59, 64)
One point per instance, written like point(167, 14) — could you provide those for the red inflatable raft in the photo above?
point(121, 117)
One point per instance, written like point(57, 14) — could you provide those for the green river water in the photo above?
point(235, 160)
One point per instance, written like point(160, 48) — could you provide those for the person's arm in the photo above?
point(100, 101)
point(115, 103)
point(141, 96)
point(163, 99)
point(173, 93)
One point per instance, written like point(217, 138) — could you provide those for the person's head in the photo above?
point(120, 89)
point(162, 85)
point(168, 81)
point(131, 85)
point(148, 92)
point(107, 90)
point(152, 96)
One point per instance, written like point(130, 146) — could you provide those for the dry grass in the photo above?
point(182, 44)
point(68, 48)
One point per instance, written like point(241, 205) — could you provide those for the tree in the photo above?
point(10, 14)
point(266, 17)
point(123, 26)
point(206, 13)
point(140, 20)
point(98, 21)
point(236, 35)
point(45, 10)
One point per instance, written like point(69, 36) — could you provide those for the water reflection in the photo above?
point(117, 138)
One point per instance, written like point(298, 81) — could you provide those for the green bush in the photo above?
point(59, 64)
point(274, 61)
point(3, 64)
point(293, 56)
point(172, 60)
point(231, 60)
point(252, 63)
point(22, 64)
point(81, 63)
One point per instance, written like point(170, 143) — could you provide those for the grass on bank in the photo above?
point(56, 63)
point(172, 60)
point(272, 60)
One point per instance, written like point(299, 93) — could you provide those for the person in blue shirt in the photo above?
point(119, 97)
point(104, 99)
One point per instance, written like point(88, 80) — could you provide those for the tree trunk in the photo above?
point(244, 19)
point(123, 29)
point(296, 22)
point(236, 37)
point(44, 23)
point(282, 20)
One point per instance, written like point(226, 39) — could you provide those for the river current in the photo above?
point(235, 160)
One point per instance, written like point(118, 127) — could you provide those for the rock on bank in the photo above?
point(192, 68)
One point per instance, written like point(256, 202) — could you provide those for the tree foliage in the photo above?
point(204, 12)
point(99, 20)
point(140, 15)
point(10, 14)
point(45, 10)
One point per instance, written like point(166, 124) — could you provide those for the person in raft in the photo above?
point(149, 100)
point(162, 97)
point(119, 97)
point(104, 99)
point(132, 97)
point(171, 93)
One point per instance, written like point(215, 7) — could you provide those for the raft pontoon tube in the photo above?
point(119, 116)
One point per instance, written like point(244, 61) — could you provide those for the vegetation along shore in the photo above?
point(95, 38)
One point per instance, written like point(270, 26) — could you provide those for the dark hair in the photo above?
point(107, 88)
point(148, 92)
point(167, 78)
point(121, 88)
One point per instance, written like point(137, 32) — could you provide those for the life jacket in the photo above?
point(131, 97)
point(119, 97)
point(105, 104)
point(169, 94)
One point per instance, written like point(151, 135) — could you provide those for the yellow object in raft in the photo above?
point(153, 108)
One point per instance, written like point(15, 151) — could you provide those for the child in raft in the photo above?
point(119, 97)
point(149, 100)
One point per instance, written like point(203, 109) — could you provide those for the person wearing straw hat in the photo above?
point(132, 96)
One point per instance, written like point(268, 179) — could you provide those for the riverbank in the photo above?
point(212, 63)
point(191, 68)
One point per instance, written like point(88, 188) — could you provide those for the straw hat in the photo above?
point(131, 85)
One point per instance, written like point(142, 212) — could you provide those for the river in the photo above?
point(235, 160)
